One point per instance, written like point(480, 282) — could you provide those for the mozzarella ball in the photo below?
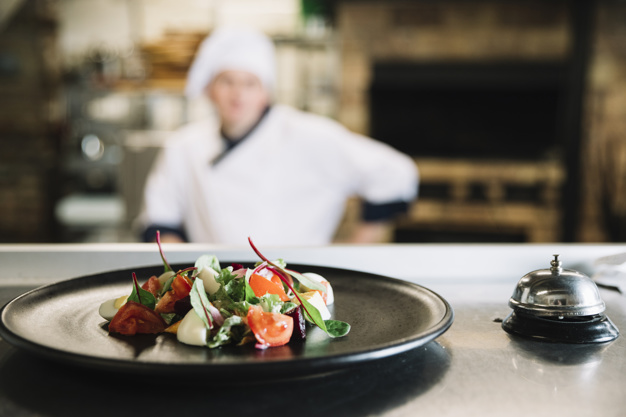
point(192, 330)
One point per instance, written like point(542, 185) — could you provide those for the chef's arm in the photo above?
point(377, 222)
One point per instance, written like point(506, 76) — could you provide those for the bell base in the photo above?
point(589, 329)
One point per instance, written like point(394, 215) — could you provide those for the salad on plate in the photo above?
point(207, 305)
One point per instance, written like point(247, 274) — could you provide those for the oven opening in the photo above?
point(469, 110)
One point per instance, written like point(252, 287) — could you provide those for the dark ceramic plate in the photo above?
point(61, 322)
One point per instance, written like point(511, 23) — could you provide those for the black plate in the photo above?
point(61, 322)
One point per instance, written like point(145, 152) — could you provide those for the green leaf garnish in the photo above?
point(207, 261)
point(232, 330)
point(141, 296)
point(337, 328)
point(201, 303)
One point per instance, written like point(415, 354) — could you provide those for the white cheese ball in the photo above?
point(192, 330)
point(330, 298)
point(109, 308)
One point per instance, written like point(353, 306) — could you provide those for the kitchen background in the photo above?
point(514, 110)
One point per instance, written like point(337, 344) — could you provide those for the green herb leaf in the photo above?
point(271, 303)
point(170, 317)
point(207, 261)
point(287, 307)
point(141, 296)
point(168, 284)
point(337, 328)
point(306, 281)
point(249, 293)
point(228, 332)
point(201, 303)
point(312, 314)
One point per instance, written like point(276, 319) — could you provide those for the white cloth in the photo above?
point(232, 49)
point(285, 184)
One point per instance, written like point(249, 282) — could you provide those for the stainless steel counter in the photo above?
point(474, 369)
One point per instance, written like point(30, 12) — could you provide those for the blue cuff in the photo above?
point(149, 235)
point(380, 212)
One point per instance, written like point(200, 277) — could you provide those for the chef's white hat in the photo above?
point(232, 49)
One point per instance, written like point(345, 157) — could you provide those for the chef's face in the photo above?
point(239, 97)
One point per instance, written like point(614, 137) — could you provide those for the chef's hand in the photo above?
point(171, 238)
point(372, 232)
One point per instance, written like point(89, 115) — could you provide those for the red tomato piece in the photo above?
point(261, 286)
point(166, 303)
point(133, 318)
point(181, 287)
point(270, 329)
point(153, 285)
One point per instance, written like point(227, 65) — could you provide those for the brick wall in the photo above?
point(604, 156)
point(29, 110)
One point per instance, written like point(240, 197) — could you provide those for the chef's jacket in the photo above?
point(286, 183)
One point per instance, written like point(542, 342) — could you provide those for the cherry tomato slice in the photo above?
point(261, 286)
point(133, 318)
point(153, 285)
point(181, 286)
point(270, 329)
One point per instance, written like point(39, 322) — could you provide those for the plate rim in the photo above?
point(310, 365)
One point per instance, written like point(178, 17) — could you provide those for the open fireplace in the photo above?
point(469, 110)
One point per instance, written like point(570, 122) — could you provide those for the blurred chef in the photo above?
point(264, 170)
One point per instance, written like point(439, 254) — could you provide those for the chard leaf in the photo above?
point(141, 296)
point(166, 266)
point(311, 313)
point(168, 284)
point(306, 281)
point(278, 262)
point(337, 328)
point(201, 303)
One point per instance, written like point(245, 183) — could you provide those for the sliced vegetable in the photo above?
point(261, 286)
point(299, 324)
point(270, 329)
point(133, 318)
point(208, 267)
point(179, 289)
point(152, 285)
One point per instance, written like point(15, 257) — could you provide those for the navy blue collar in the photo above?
point(230, 143)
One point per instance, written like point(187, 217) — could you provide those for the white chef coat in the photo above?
point(285, 184)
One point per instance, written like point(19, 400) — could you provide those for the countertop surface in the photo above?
point(473, 369)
